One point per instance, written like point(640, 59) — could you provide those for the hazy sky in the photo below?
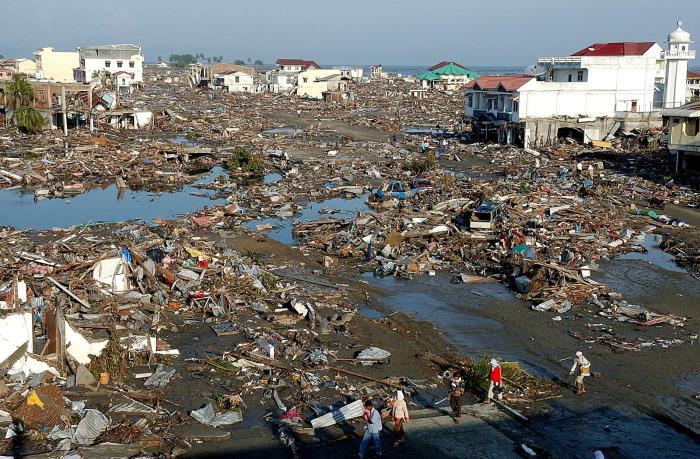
point(475, 33)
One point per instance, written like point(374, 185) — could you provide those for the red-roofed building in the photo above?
point(284, 77)
point(587, 95)
point(296, 65)
point(626, 48)
point(693, 86)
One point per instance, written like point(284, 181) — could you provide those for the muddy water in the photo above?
point(623, 409)
point(108, 204)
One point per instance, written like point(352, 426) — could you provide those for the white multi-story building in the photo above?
point(96, 62)
point(56, 66)
point(587, 95)
point(236, 81)
point(284, 77)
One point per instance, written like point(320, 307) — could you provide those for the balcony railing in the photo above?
point(687, 54)
point(566, 60)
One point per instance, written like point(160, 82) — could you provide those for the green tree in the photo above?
point(259, 62)
point(239, 62)
point(182, 60)
point(20, 95)
point(160, 59)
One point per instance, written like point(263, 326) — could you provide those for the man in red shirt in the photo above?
point(495, 382)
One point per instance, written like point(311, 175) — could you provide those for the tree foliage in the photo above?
point(248, 163)
point(20, 96)
point(239, 62)
point(259, 62)
point(28, 119)
point(182, 60)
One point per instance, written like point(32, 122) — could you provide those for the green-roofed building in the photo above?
point(448, 76)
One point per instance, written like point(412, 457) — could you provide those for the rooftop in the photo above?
point(507, 83)
point(626, 48)
point(693, 75)
point(301, 62)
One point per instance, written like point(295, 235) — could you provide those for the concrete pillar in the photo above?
point(64, 108)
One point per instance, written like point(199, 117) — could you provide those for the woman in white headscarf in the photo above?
point(399, 413)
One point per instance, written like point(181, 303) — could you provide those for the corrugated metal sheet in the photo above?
point(349, 411)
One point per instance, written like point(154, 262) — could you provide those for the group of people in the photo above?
point(398, 409)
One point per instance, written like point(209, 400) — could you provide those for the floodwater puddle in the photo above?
point(654, 254)
point(184, 141)
point(423, 130)
point(283, 131)
point(272, 177)
point(453, 308)
point(282, 227)
point(107, 204)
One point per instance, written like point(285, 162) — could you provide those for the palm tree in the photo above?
point(20, 95)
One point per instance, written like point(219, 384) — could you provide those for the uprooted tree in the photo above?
point(20, 96)
point(246, 163)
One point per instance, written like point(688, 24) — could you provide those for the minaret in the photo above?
point(677, 56)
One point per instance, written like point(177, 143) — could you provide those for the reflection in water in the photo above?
point(282, 228)
point(108, 204)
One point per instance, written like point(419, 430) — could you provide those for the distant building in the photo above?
point(236, 81)
point(11, 67)
point(313, 83)
point(353, 73)
point(123, 82)
point(97, 61)
point(284, 77)
point(376, 72)
point(447, 76)
point(587, 96)
point(692, 93)
point(204, 74)
point(684, 135)
point(56, 65)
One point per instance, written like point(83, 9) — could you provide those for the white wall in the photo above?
point(309, 87)
point(91, 65)
point(612, 84)
point(245, 82)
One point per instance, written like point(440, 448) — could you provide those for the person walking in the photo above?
point(456, 392)
point(495, 382)
point(373, 425)
point(584, 369)
point(399, 413)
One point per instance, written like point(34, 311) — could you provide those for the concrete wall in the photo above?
point(685, 133)
point(56, 65)
point(309, 87)
point(611, 85)
point(99, 65)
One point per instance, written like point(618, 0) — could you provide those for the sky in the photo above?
point(390, 32)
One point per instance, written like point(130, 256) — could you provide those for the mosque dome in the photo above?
point(679, 35)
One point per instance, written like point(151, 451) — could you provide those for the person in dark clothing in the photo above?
point(456, 392)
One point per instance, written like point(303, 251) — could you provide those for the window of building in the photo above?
point(131, 64)
point(515, 106)
point(306, 80)
point(634, 105)
point(238, 79)
point(82, 62)
point(119, 64)
point(579, 75)
point(570, 77)
point(108, 64)
point(692, 127)
point(470, 100)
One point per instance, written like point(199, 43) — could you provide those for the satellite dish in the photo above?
point(534, 70)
